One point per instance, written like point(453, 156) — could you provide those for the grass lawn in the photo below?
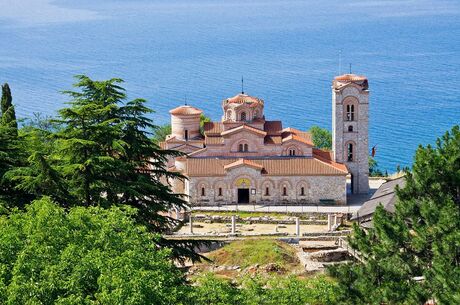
point(245, 253)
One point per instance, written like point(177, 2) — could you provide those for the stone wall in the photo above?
point(359, 166)
point(205, 190)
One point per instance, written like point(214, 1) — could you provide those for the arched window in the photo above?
point(246, 147)
point(350, 152)
point(243, 116)
point(267, 191)
point(203, 193)
point(241, 148)
point(350, 112)
point(302, 191)
point(284, 191)
point(186, 135)
point(220, 191)
point(350, 128)
point(292, 152)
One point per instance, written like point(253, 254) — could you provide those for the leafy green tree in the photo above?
point(8, 112)
point(83, 256)
point(160, 133)
point(321, 137)
point(412, 255)
point(203, 119)
point(374, 170)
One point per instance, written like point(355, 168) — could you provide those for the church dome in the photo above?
point(244, 99)
point(185, 110)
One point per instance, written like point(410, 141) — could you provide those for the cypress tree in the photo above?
point(8, 112)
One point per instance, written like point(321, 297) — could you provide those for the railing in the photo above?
point(343, 243)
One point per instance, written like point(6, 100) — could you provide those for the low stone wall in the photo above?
point(255, 220)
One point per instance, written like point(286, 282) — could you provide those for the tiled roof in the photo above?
point(326, 157)
point(244, 99)
point(273, 127)
point(242, 162)
point(385, 195)
point(272, 140)
point(297, 135)
point(213, 128)
point(244, 127)
point(186, 110)
point(346, 79)
point(271, 167)
point(350, 78)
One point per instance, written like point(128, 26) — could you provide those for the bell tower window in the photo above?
point(350, 112)
point(243, 116)
point(350, 152)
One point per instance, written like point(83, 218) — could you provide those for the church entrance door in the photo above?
point(243, 195)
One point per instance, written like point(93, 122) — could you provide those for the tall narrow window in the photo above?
point(243, 116)
point(186, 135)
point(246, 147)
point(220, 191)
point(241, 148)
point(350, 112)
point(350, 128)
point(203, 193)
point(267, 191)
point(284, 191)
point(350, 152)
point(302, 191)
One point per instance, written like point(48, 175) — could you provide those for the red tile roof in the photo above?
point(243, 162)
point(186, 110)
point(202, 167)
point(244, 127)
point(350, 78)
point(244, 99)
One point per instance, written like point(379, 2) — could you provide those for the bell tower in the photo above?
point(350, 122)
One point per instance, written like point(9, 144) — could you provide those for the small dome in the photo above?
point(244, 99)
point(186, 110)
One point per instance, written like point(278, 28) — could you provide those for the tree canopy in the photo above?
point(413, 255)
point(83, 256)
point(321, 137)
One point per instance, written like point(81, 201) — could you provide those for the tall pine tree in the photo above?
point(413, 255)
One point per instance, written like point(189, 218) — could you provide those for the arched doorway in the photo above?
point(243, 185)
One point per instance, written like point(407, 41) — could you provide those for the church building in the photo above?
point(246, 159)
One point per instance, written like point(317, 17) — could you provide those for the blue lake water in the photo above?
point(287, 51)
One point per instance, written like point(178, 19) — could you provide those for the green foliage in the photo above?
point(203, 119)
point(161, 132)
point(8, 114)
point(97, 152)
point(374, 170)
point(248, 252)
point(258, 291)
point(421, 239)
point(86, 256)
point(321, 137)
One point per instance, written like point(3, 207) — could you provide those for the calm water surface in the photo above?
point(288, 52)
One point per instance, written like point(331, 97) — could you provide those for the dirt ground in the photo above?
point(248, 229)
